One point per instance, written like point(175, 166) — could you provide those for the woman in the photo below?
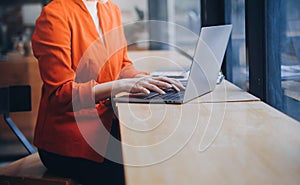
point(83, 61)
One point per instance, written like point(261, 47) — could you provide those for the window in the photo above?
point(174, 18)
point(290, 56)
point(272, 39)
point(134, 13)
point(187, 16)
point(237, 67)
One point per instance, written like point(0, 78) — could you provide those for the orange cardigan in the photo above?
point(72, 59)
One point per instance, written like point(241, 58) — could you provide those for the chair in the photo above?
point(16, 99)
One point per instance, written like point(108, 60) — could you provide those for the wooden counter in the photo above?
point(232, 138)
point(209, 143)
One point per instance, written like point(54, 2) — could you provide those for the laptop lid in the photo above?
point(207, 61)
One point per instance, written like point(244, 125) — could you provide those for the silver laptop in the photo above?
point(204, 71)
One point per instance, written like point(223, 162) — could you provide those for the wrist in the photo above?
point(119, 86)
point(116, 87)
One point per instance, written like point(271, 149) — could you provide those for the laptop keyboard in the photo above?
point(171, 95)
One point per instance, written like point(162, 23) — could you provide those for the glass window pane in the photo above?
point(186, 15)
point(290, 57)
point(183, 27)
point(134, 13)
point(237, 68)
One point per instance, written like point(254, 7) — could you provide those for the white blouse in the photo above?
point(92, 8)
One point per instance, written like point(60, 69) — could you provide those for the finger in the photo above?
point(137, 88)
point(178, 84)
point(175, 87)
point(140, 89)
point(174, 82)
point(153, 87)
point(145, 91)
point(160, 84)
point(167, 80)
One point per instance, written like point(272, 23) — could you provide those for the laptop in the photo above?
point(204, 71)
